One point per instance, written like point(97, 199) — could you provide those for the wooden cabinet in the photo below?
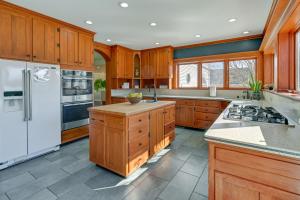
point(85, 50)
point(118, 100)
point(169, 125)
point(124, 143)
point(145, 69)
point(97, 139)
point(45, 41)
point(156, 131)
point(68, 46)
point(15, 34)
point(122, 62)
point(164, 68)
point(238, 173)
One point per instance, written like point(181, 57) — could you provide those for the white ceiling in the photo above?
point(178, 20)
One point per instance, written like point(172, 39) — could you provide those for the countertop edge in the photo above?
point(182, 97)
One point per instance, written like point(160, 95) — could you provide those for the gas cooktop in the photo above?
point(248, 112)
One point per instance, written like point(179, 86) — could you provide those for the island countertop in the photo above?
point(126, 109)
point(266, 137)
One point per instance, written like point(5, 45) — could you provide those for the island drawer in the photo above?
point(96, 118)
point(138, 120)
point(169, 127)
point(206, 116)
point(186, 102)
point(139, 131)
point(138, 144)
point(213, 104)
point(136, 161)
point(207, 110)
point(114, 121)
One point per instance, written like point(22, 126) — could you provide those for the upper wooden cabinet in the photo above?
point(164, 67)
point(122, 62)
point(157, 63)
point(15, 34)
point(45, 41)
point(76, 48)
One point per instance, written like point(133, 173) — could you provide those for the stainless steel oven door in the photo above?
point(75, 114)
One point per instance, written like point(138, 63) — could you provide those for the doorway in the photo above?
point(99, 79)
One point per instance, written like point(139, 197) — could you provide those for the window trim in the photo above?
point(219, 58)
point(297, 60)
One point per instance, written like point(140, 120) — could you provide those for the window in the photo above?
point(240, 72)
point(298, 60)
point(188, 75)
point(213, 74)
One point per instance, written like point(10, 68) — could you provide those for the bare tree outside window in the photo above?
point(213, 74)
point(188, 75)
point(240, 72)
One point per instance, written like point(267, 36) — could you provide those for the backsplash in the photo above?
point(232, 94)
point(285, 105)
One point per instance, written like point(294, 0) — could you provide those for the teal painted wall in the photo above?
point(215, 49)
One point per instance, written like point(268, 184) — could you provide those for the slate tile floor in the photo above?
point(178, 172)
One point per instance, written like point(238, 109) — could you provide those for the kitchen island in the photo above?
point(253, 160)
point(124, 136)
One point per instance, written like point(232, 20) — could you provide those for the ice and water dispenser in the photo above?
point(13, 101)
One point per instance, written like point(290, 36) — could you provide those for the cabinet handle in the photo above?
point(140, 144)
point(140, 131)
point(93, 119)
point(140, 120)
point(102, 120)
point(34, 56)
point(28, 55)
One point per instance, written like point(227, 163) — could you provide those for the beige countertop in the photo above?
point(183, 97)
point(126, 109)
point(273, 138)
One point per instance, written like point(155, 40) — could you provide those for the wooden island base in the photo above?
point(123, 143)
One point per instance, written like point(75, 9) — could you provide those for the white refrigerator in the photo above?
point(30, 115)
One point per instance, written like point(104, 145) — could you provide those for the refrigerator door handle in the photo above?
point(25, 94)
point(29, 96)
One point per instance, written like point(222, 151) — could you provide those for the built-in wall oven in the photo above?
point(77, 97)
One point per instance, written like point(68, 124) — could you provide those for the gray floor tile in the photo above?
point(168, 168)
point(3, 197)
point(196, 196)
point(180, 188)
point(202, 185)
point(15, 182)
point(195, 165)
point(42, 195)
point(104, 180)
point(77, 165)
point(113, 193)
point(79, 192)
point(68, 183)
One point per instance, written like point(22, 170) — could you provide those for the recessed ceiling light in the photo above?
point(197, 36)
point(124, 5)
point(232, 20)
point(157, 43)
point(108, 40)
point(153, 24)
point(246, 32)
point(88, 22)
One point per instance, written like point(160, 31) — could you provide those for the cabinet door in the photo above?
point(187, 115)
point(121, 56)
point(152, 63)
point(97, 143)
point(68, 46)
point(169, 114)
point(156, 131)
point(129, 64)
point(15, 34)
point(145, 64)
point(45, 41)
point(228, 189)
point(163, 65)
point(178, 115)
point(115, 149)
point(85, 51)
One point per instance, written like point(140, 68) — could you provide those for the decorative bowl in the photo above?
point(134, 100)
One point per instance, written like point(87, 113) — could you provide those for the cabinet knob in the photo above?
point(102, 120)
point(140, 120)
point(34, 56)
point(140, 144)
point(140, 131)
point(28, 55)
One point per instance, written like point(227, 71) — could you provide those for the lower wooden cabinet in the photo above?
point(118, 100)
point(124, 143)
point(237, 173)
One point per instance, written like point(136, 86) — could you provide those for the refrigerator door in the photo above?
point(13, 124)
point(44, 116)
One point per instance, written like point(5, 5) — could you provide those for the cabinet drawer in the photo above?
point(213, 104)
point(169, 127)
point(139, 131)
point(169, 137)
point(207, 110)
point(114, 122)
point(203, 124)
point(138, 144)
point(96, 118)
point(137, 161)
point(138, 120)
point(206, 116)
point(185, 102)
